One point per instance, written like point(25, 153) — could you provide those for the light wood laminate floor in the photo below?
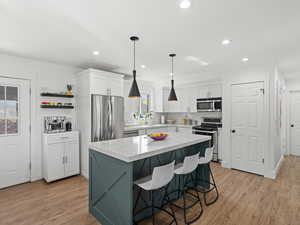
point(245, 199)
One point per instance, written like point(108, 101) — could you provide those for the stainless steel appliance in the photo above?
point(209, 104)
point(210, 127)
point(131, 133)
point(107, 117)
point(54, 124)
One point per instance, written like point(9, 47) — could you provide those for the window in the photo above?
point(144, 104)
point(9, 110)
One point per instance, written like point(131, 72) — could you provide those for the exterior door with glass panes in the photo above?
point(14, 131)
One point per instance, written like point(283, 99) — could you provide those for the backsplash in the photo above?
point(194, 116)
point(154, 120)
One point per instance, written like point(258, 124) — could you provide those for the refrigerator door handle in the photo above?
point(110, 117)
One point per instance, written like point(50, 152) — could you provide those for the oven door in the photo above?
point(199, 132)
point(205, 106)
point(218, 105)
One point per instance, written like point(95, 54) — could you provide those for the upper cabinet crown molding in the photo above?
point(100, 82)
point(101, 73)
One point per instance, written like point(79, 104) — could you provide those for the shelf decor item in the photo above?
point(134, 91)
point(57, 95)
point(69, 92)
point(172, 96)
point(49, 106)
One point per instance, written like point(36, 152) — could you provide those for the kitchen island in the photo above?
point(114, 165)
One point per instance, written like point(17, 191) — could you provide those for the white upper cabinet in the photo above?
point(187, 97)
point(102, 82)
point(192, 99)
point(181, 105)
point(210, 91)
point(158, 105)
point(215, 90)
point(203, 92)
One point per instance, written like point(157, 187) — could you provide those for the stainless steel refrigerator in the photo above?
point(107, 117)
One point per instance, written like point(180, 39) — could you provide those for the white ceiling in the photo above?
point(67, 31)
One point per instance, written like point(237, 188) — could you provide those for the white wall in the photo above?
point(43, 76)
point(197, 116)
point(277, 114)
point(293, 84)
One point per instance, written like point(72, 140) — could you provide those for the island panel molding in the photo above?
point(110, 189)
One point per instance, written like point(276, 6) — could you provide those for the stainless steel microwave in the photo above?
point(209, 104)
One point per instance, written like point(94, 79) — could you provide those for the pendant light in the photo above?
point(134, 91)
point(172, 96)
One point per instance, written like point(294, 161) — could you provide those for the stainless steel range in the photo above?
point(210, 127)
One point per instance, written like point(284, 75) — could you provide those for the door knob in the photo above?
point(292, 125)
point(232, 131)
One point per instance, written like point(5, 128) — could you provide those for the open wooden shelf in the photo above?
point(46, 94)
point(57, 106)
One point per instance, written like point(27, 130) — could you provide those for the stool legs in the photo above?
point(153, 207)
point(214, 187)
point(182, 189)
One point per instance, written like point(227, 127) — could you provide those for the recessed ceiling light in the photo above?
point(185, 4)
point(95, 52)
point(226, 42)
point(143, 66)
point(245, 59)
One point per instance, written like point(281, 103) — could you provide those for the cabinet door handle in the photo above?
point(292, 125)
point(66, 159)
point(63, 160)
point(232, 131)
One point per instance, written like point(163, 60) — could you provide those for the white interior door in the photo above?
point(295, 123)
point(14, 131)
point(247, 130)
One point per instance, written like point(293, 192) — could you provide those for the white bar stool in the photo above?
point(206, 161)
point(184, 170)
point(159, 180)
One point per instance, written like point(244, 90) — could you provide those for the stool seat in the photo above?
point(161, 176)
point(144, 183)
point(203, 160)
point(189, 165)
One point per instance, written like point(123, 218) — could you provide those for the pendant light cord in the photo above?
point(172, 68)
point(133, 55)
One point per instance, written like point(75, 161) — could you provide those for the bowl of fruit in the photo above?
point(158, 136)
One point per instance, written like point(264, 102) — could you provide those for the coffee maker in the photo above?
point(68, 126)
point(56, 124)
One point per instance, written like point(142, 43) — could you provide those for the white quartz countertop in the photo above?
point(135, 148)
point(149, 126)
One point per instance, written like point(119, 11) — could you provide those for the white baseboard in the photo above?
point(279, 164)
point(85, 174)
point(225, 164)
point(273, 174)
point(32, 179)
